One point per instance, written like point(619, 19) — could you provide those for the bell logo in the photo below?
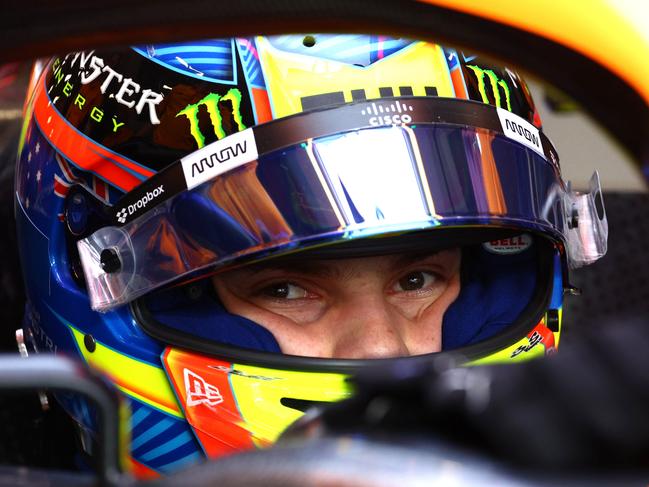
point(199, 391)
point(496, 85)
point(509, 246)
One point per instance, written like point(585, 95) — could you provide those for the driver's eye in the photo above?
point(284, 290)
point(414, 281)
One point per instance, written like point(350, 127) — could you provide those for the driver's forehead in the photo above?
point(347, 267)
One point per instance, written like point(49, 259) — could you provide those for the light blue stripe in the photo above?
point(174, 50)
point(139, 415)
point(217, 72)
point(326, 43)
point(280, 40)
point(254, 73)
point(158, 429)
point(366, 49)
point(226, 61)
point(214, 72)
point(196, 56)
point(247, 54)
point(173, 466)
point(177, 442)
point(231, 76)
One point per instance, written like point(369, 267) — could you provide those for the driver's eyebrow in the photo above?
point(325, 268)
point(408, 259)
point(320, 268)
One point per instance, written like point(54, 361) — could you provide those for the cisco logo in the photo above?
point(393, 114)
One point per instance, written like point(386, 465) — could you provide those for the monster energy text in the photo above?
point(122, 88)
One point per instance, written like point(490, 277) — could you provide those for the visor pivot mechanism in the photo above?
point(109, 260)
point(76, 214)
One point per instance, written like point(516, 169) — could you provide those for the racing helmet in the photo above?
point(145, 171)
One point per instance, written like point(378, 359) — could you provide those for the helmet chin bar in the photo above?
point(586, 225)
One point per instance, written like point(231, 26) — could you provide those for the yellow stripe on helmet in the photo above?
point(259, 392)
point(530, 347)
point(135, 378)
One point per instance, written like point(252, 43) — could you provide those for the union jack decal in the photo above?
point(62, 183)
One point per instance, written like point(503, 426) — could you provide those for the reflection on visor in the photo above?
point(374, 166)
point(342, 187)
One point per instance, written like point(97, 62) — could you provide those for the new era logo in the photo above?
point(121, 215)
point(198, 391)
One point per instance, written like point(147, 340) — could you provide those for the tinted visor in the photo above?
point(355, 184)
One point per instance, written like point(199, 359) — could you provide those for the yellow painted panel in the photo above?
point(291, 76)
point(259, 399)
point(141, 380)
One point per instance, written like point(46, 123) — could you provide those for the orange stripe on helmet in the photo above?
point(85, 153)
point(202, 385)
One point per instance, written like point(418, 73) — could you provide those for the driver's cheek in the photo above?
point(354, 328)
point(375, 325)
point(425, 333)
point(357, 326)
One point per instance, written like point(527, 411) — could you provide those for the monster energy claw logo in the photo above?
point(496, 84)
point(211, 103)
